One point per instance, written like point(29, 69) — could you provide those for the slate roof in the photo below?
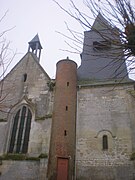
point(34, 58)
point(101, 23)
point(105, 64)
point(36, 40)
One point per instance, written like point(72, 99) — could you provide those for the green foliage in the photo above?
point(40, 118)
point(132, 157)
point(32, 158)
point(51, 85)
point(48, 116)
point(87, 81)
point(43, 155)
point(2, 120)
point(15, 157)
point(18, 157)
point(22, 157)
point(131, 38)
point(132, 92)
point(43, 117)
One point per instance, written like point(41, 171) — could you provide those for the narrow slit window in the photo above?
point(25, 77)
point(105, 142)
point(67, 83)
point(101, 45)
point(66, 108)
point(65, 133)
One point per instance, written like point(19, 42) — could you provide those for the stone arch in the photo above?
point(105, 131)
point(22, 134)
point(105, 135)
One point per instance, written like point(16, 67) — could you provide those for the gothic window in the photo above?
point(20, 131)
point(105, 142)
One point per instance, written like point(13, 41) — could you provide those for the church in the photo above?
point(78, 126)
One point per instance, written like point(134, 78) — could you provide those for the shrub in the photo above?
point(43, 155)
point(13, 157)
point(132, 157)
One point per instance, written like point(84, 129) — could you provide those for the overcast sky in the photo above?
point(29, 17)
point(45, 18)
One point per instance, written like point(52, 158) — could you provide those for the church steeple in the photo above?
point(101, 23)
point(102, 54)
point(35, 46)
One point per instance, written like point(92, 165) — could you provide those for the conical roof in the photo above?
point(36, 40)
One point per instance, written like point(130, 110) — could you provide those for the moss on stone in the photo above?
point(132, 92)
point(2, 120)
point(132, 157)
point(15, 157)
point(43, 155)
point(51, 85)
point(86, 81)
point(18, 157)
point(43, 117)
point(32, 158)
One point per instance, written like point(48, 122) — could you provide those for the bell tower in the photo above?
point(35, 47)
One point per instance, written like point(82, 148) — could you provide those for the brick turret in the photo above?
point(62, 151)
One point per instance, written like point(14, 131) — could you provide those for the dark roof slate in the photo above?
point(36, 40)
point(101, 64)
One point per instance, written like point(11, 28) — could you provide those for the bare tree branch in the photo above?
point(6, 57)
point(120, 17)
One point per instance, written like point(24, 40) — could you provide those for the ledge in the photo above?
point(43, 117)
point(85, 83)
point(3, 120)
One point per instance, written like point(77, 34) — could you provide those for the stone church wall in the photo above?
point(35, 87)
point(33, 92)
point(40, 137)
point(23, 170)
point(3, 127)
point(120, 172)
point(104, 110)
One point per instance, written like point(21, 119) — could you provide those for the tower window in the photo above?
point(66, 108)
point(65, 133)
point(24, 77)
point(101, 45)
point(105, 142)
point(20, 131)
point(67, 83)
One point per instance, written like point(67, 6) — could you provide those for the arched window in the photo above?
point(20, 131)
point(105, 142)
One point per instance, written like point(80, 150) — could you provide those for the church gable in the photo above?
point(27, 108)
point(27, 78)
